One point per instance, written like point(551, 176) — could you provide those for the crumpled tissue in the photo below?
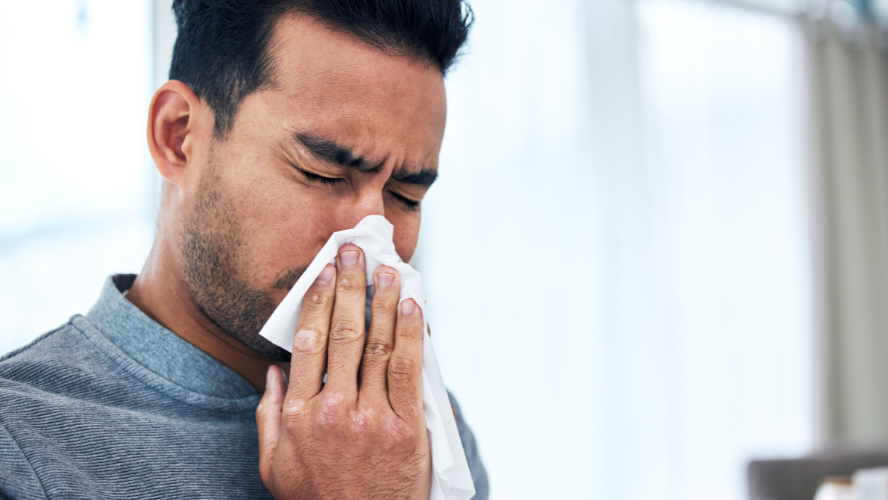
point(451, 479)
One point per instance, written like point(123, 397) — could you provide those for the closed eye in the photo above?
point(320, 179)
point(407, 203)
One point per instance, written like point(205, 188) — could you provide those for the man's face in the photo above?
point(346, 131)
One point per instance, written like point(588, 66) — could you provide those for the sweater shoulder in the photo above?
point(56, 373)
point(55, 360)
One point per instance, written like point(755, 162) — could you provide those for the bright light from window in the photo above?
point(76, 191)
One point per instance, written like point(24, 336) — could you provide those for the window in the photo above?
point(77, 197)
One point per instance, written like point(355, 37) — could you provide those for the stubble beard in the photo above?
point(214, 262)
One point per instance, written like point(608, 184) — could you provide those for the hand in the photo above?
point(345, 439)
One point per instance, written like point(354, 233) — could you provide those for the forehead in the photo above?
point(333, 84)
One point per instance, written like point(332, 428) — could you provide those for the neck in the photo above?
point(161, 293)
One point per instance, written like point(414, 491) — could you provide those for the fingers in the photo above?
point(405, 364)
point(381, 338)
point(310, 341)
point(346, 339)
point(268, 417)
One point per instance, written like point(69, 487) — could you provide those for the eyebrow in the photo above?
point(330, 151)
point(424, 178)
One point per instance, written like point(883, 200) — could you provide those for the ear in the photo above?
point(174, 124)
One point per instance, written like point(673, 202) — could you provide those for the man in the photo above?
point(283, 122)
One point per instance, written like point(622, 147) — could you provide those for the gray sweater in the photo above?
point(112, 405)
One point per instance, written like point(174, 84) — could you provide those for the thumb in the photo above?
point(268, 417)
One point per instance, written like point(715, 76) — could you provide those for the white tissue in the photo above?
point(451, 479)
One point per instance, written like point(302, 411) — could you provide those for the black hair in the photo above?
point(221, 50)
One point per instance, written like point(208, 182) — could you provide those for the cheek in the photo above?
point(284, 225)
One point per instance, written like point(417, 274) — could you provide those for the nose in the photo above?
point(369, 201)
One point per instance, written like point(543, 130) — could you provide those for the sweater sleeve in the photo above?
point(476, 467)
point(18, 481)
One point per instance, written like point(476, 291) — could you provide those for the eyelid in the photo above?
point(313, 177)
point(405, 201)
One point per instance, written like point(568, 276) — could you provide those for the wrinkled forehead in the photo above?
point(333, 84)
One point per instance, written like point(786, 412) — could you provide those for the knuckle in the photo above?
point(308, 341)
point(292, 422)
point(295, 408)
point(350, 283)
point(377, 348)
point(330, 414)
point(346, 331)
point(400, 430)
point(402, 368)
point(316, 300)
point(365, 419)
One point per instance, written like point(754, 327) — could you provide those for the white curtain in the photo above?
point(851, 72)
point(618, 254)
point(74, 166)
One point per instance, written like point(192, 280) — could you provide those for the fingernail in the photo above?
point(407, 307)
point(348, 258)
point(326, 275)
point(385, 279)
point(268, 377)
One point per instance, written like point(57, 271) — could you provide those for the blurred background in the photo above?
point(670, 219)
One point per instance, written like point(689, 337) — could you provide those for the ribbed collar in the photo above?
point(159, 356)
